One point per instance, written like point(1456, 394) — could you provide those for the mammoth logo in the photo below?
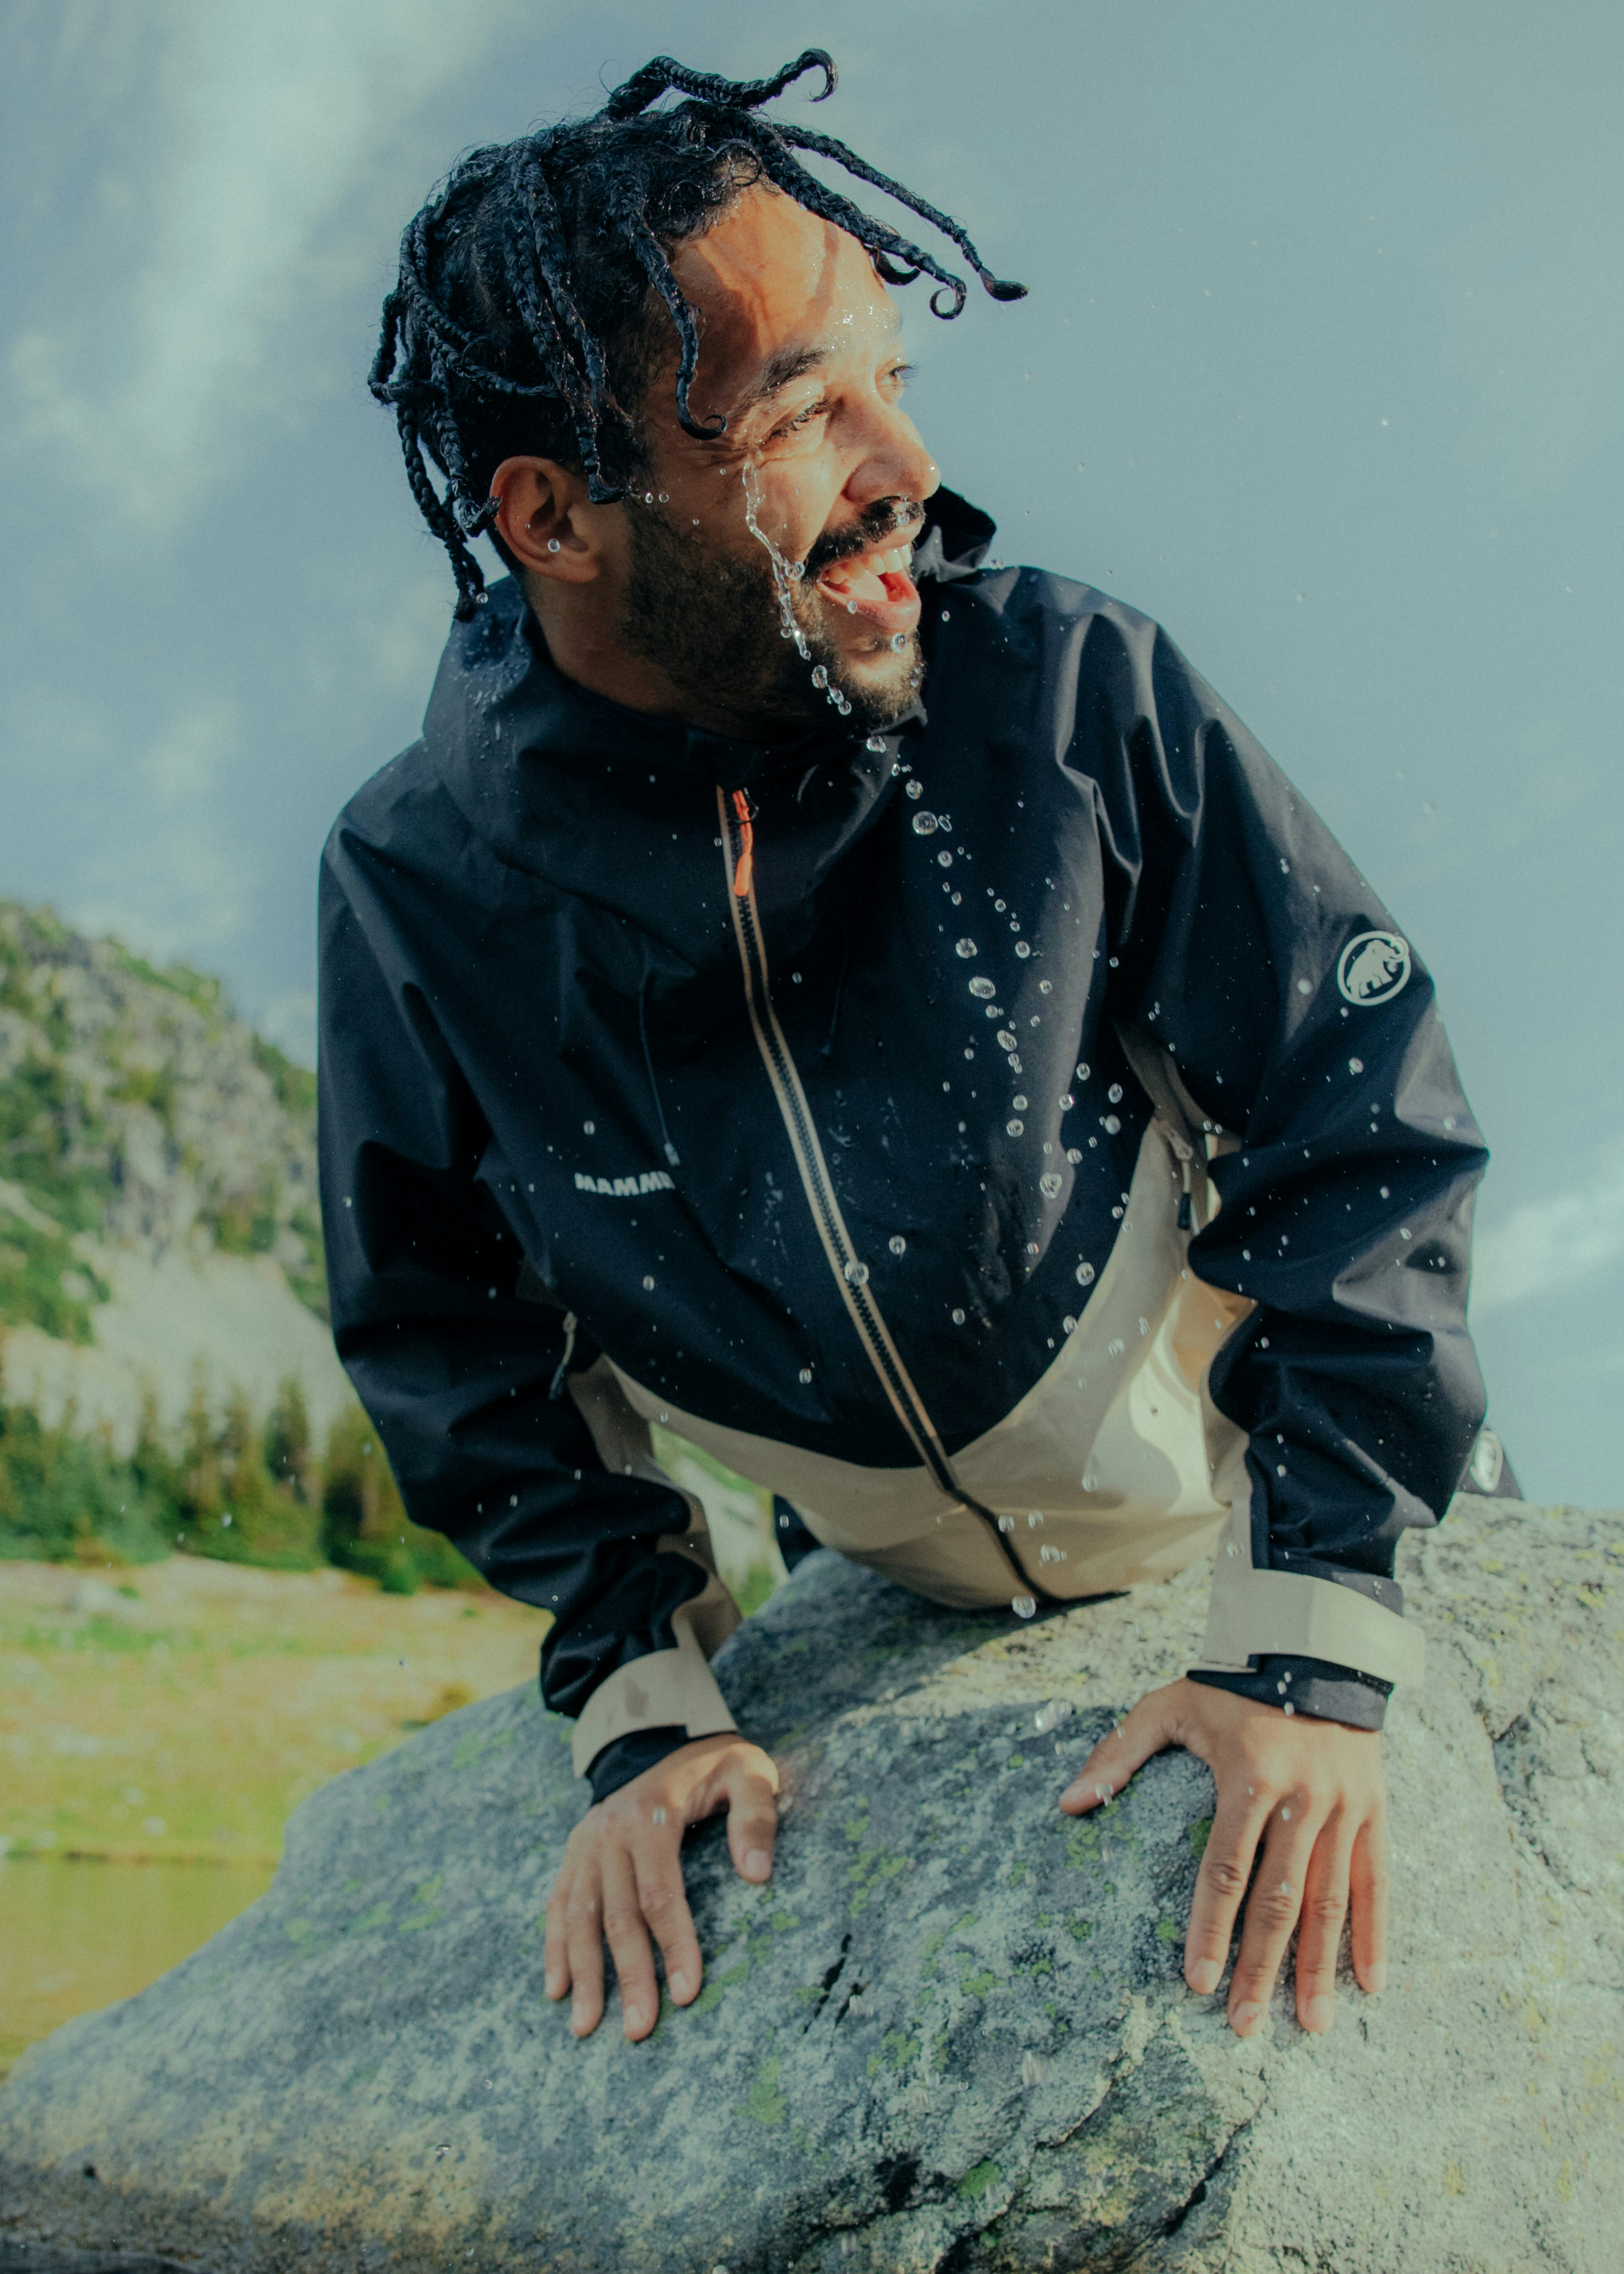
point(1373, 967)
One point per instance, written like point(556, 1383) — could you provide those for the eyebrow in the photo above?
point(789, 364)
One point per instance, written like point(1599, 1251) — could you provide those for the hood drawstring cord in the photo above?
point(671, 1152)
point(744, 873)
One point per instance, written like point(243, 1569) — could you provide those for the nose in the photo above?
point(894, 461)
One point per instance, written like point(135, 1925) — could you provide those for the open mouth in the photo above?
point(876, 587)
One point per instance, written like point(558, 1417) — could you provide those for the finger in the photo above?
point(1241, 1813)
point(628, 1945)
point(1148, 1729)
point(1369, 1887)
point(752, 1822)
point(1272, 1911)
point(583, 1942)
point(658, 1861)
point(555, 1955)
point(1319, 1933)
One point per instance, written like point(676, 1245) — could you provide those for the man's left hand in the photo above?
point(1303, 1798)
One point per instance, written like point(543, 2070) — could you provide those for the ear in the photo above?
point(547, 521)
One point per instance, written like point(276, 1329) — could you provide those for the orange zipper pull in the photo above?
point(745, 869)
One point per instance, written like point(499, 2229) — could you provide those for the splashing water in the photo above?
point(786, 574)
point(1024, 1606)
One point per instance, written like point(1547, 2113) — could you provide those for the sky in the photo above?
point(1322, 364)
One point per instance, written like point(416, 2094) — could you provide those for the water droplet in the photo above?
point(1085, 1275)
point(1006, 1523)
point(897, 1244)
point(857, 1274)
point(1004, 1039)
point(589, 1127)
point(1285, 1813)
point(898, 641)
point(1045, 987)
point(1015, 1128)
point(1000, 906)
point(1047, 1717)
point(874, 743)
point(1066, 1101)
point(1082, 1072)
point(1287, 1707)
point(664, 497)
point(1450, 1122)
point(820, 677)
point(647, 1282)
point(1034, 1519)
point(1115, 1093)
point(1091, 1483)
point(958, 1318)
point(659, 1816)
point(914, 789)
point(1023, 948)
point(1047, 1554)
point(980, 985)
point(1387, 1191)
point(1024, 1606)
point(1115, 1347)
point(1356, 1066)
point(1074, 1155)
point(967, 948)
point(1109, 1123)
point(806, 1373)
point(1049, 1184)
point(924, 824)
point(1070, 1325)
point(944, 860)
point(1015, 1068)
point(1304, 987)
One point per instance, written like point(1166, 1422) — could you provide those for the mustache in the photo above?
point(891, 517)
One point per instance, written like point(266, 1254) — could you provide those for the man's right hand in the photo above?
point(622, 1880)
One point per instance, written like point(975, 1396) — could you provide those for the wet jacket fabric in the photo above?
point(1050, 1168)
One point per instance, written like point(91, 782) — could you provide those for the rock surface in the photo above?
point(952, 2034)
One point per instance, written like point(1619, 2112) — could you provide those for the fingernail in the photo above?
point(679, 1987)
point(636, 2021)
point(578, 2021)
point(1202, 1976)
point(555, 1986)
point(758, 1864)
point(1376, 1979)
point(1245, 2018)
point(1319, 2015)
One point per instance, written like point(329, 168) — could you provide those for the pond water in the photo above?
point(77, 1935)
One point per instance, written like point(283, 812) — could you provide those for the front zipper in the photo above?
point(851, 1273)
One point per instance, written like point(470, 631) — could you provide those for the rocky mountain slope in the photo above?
point(158, 1214)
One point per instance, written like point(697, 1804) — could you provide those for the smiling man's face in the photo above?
point(799, 352)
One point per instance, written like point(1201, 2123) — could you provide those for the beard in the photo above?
point(710, 620)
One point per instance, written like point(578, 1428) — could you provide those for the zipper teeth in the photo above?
point(837, 1242)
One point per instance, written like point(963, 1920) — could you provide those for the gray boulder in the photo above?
point(952, 2033)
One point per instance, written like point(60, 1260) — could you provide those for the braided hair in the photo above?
point(528, 316)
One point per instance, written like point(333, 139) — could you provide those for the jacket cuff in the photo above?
point(622, 1759)
point(1344, 1618)
point(1308, 1686)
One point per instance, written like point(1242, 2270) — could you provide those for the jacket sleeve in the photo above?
point(504, 1429)
point(1345, 1159)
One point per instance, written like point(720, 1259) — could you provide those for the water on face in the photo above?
point(785, 575)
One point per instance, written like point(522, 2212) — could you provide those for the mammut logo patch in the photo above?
point(625, 1188)
point(1374, 968)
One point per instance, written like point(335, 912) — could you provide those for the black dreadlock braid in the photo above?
point(528, 316)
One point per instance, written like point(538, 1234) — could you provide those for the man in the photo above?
point(814, 986)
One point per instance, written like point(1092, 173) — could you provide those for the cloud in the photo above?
point(1548, 1246)
point(272, 122)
